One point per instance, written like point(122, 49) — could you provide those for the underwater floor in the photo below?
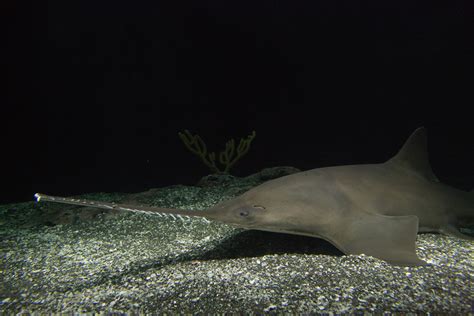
point(58, 258)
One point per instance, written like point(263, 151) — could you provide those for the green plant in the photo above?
point(228, 157)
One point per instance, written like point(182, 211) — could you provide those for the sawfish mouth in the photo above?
point(292, 232)
point(278, 230)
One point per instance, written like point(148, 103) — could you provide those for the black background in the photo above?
point(98, 90)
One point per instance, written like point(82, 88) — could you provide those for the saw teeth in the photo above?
point(183, 218)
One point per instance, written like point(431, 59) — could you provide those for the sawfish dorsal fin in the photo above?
point(414, 155)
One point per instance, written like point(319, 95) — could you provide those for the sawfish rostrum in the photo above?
point(374, 209)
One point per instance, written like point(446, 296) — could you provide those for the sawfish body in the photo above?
point(375, 209)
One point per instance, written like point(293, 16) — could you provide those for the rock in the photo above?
point(215, 180)
point(276, 172)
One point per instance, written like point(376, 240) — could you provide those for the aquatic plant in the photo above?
point(228, 157)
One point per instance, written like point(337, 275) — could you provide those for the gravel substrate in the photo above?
point(133, 263)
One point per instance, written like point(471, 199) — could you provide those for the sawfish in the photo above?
point(371, 209)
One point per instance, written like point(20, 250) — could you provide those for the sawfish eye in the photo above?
point(246, 210)
point(244, 213)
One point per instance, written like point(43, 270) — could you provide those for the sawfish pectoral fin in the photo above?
point(390, 238)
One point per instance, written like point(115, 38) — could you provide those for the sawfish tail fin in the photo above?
point(157, 211)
